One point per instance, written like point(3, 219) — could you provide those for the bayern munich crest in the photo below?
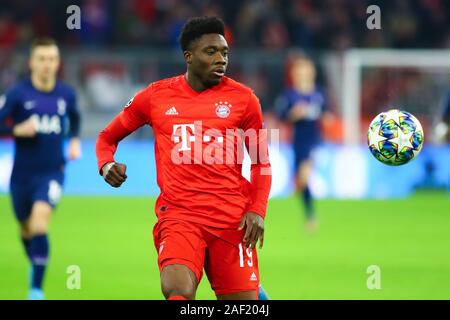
point(223, 109)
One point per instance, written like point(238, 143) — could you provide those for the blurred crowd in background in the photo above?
point(270, 24)
point(124, 45)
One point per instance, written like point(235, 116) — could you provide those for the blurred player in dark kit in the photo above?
point(303, 105)
point(35, 111)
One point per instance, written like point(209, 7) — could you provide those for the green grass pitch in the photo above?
point(110, 239)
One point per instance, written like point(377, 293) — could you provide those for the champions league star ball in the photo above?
point(395, 137)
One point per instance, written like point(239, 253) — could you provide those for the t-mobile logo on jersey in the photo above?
point(180, 131)
point(211, 146)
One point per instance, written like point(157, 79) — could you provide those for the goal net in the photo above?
point(372, 81)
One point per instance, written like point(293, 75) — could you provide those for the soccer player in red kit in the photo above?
point(209, 216)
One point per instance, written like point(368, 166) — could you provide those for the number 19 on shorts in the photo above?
point(248, 252)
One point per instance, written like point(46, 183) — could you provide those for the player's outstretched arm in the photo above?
point(261, 175)
point(25, 129)
point(135, 114)
point(106, 146)
point(74, 149)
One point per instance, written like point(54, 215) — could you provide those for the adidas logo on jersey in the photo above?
point(253, 277)
point(171, 111)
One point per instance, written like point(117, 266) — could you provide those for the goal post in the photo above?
point(355, 60)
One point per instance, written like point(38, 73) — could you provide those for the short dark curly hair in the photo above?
point(194, 28)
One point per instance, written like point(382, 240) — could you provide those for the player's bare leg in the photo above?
point(178, 282)
point(36, 229)
point(39, 223)
point(303, 175)
point(26, 236)
point(40, 218)
point(25, 230)
point(243, 295)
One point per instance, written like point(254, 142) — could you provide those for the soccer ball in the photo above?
point(395, 137)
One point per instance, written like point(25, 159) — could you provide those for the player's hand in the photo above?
point(254, 225)
point(74, 151)
point(114, 173)
point(298, 111)
point(25, 129)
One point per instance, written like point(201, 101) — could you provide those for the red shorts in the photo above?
point(230, 267)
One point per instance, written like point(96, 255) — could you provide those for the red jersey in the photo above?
point(197, 160)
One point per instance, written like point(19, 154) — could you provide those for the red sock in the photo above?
point(176, 298)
